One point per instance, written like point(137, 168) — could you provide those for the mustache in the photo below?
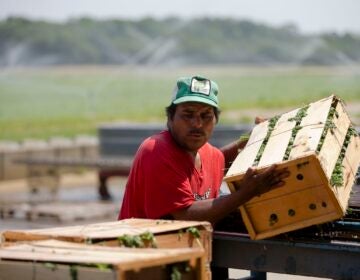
point(197, 131)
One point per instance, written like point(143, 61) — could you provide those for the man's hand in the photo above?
point(257, 182)
point(259, 119)
point(254, 183)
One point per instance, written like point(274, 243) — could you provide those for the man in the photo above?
point(177, 174)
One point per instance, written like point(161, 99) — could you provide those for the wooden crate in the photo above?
point(167, 234)
point(308, 196)
point(53, 259)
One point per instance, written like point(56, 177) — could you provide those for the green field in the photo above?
point(66, 101)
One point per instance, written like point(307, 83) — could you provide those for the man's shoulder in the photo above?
point(160, 137)
point(160, 148)
point(160, 140)
point(209, 146)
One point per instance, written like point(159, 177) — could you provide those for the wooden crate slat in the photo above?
point(351, 159)
point(312, 125)
point(123, 260)
point(290, 227)
point(247, 156)
point(352, 156)
point(334, 140)
point(276, 146)
point(107, 230)
point(304, 141)
point(66, 252)
point(176, 240)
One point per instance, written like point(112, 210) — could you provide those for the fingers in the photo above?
point(266, 179)
point(259, 119)
point(269, 172)
point(250, 174)
point(284, 173)
point(276, 179)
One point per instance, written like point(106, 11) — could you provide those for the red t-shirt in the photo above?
point(163, 178)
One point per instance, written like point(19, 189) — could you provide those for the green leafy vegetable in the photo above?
point(137, 241)
point(337, 176)
point(271, 125)
point(297, 119)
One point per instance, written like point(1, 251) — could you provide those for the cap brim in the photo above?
point(195, 99)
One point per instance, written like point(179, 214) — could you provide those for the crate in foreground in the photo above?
point(321, 149)
point(128, 233)
point(53, 259)
point(143, 233)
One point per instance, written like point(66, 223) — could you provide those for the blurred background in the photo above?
point(68, 66)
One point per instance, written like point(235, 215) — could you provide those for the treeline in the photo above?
point(171, 41)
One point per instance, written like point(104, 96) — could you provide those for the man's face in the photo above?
point(192, 125)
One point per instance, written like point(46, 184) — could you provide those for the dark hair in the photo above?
point(171, 109)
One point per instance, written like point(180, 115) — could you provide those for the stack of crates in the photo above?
point(53, 259)
point(320, 148)
point(129, 249)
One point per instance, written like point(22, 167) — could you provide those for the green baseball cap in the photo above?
point(195, 89)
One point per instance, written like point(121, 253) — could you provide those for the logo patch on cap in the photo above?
point(200, 86)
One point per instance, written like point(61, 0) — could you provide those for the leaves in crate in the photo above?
point(103, 266)
point(178, 269)
point(297, 119)
point(175, 273)
point(180, 234)
point(244, 137)
point(49, 265)
point(299, 115)
point(73, 272)
point(271, 125)
point(88, 241)
point(329, 124)
point(149, 238)
point(195, 233)
point(138, 241)
point(132, 241)
point(337, 176)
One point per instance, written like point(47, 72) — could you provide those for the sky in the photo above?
point(310, 16)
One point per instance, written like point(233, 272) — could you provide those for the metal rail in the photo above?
point(330, 250)
point(334, 259)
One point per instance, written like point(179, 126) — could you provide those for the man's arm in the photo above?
point(253, 184)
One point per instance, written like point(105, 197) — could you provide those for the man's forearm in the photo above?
point(212, 210)
point(254, 183)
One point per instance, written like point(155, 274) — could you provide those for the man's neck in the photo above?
point(197, 160)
